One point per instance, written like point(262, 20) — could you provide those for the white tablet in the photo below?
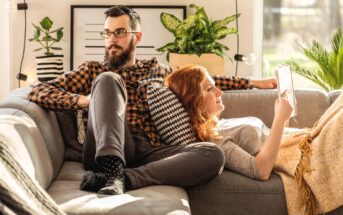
point(285, 83)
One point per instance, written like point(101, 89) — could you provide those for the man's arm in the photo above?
point(264, 84)
point(67, 91)
point(236, 83)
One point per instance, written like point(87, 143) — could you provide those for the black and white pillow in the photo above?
point(169, 116)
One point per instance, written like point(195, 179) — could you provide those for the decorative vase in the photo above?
point(213, 62)
point(49, 67)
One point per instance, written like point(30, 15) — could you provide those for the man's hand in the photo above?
point(264, 84)
point(83, 101)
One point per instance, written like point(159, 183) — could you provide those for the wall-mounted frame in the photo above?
point(88, 20)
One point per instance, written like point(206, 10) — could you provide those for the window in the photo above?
point(288, 23)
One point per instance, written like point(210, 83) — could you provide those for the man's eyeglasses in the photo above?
point(120, 33)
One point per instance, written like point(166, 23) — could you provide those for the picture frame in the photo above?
point(88, 20)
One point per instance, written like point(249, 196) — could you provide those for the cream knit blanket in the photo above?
point(311, 165)
point(19, 193)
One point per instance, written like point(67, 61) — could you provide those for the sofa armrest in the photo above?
point(46, 122)
point(260, 103)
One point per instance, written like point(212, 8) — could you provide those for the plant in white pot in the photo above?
point(49, 65)
point(196, 40)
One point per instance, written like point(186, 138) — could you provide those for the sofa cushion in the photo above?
point(169, 116)
point(46, 123)
point(67, 122)
point(149, 200)
point(260, 103)
point(232, 193)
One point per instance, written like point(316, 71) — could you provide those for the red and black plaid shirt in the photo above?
point(62, 93)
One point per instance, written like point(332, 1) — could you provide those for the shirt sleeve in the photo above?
point(240, 145)
point(63, 92)
point(240, 161)
point(231, 83)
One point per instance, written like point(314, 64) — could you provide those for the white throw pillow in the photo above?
point(169, 116)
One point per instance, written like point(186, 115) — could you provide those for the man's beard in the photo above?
point(117, 61)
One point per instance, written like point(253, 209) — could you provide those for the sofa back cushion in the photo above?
point(21, 134)
point(311, 105)
point(46, 123)
point(68, 125)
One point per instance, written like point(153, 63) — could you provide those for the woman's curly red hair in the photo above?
point(186, 83)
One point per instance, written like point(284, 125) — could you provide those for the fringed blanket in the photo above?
point(19, 193)
point(311, 165)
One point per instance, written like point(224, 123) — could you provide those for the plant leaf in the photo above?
point(58, 29)
point(200, 12)
point(337, 41)
point(46, 23)
point(312, 75)
point(183, 28)
point(36, 34)
point(223, 22)
point(37, 49)
point(59, 35)
point(170, 22)
point(223, 31)
point(37, 27)
point(317, 54)
point(56, 48)
point(168, 47)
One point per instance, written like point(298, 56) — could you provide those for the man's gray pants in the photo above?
point(108, 134)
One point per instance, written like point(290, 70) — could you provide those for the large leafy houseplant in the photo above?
point(197, 34)
point(46, 37)
point(328, 65)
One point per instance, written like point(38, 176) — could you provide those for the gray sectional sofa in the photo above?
point(36, 132)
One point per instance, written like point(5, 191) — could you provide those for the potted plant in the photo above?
point(49, 65)
point(327, 67)
point(196, 40)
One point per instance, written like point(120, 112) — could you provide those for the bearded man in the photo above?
point(118, 127)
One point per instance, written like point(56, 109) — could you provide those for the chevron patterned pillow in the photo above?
point(169, 116)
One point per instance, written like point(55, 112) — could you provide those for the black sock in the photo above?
point(92, 181)
point(113, 168)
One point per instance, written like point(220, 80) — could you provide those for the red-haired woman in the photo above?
point(245, 152)
point(309, 162)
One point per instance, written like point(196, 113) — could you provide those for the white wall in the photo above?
point(4, 50)
point(59, 12)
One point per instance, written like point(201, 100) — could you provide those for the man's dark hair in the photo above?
point(120, 10)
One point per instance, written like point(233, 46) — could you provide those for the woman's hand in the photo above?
point(283, 109)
